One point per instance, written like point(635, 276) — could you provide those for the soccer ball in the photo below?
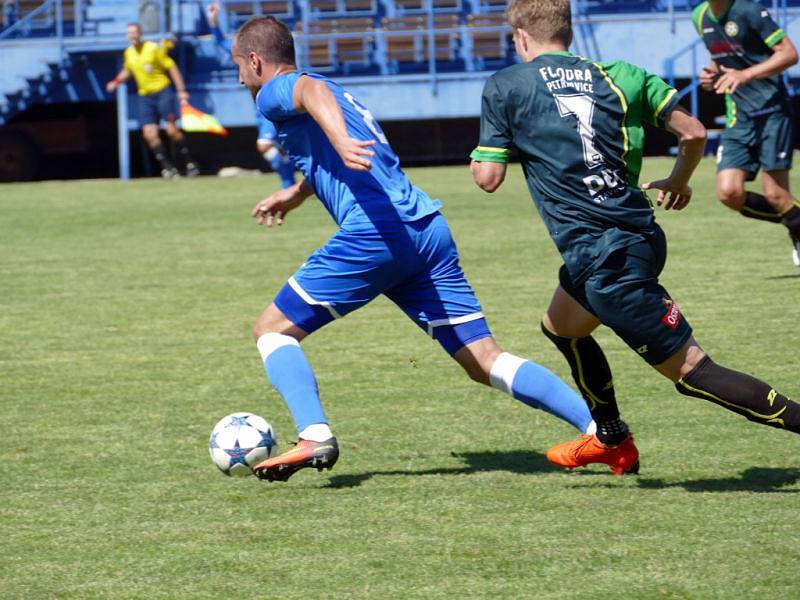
point(240, 441)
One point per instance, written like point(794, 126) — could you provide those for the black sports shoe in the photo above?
point(192, 170)
point(320, 455)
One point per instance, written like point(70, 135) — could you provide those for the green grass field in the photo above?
point(125, 317)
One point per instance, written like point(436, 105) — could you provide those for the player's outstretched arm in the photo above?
point(314, 97)
point(784, 55)
point(488, 175)
point(121, 77)
point(674, 191)
point(274, 207)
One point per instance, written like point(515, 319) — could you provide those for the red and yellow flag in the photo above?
point(196, 120)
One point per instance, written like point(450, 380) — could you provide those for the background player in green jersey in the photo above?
point(578, 127)
point(749, 51)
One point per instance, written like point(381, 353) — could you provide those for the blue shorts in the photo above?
point(153, 108)
point(413, 264)
point(266, 130)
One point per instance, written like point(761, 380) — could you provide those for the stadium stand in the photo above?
point(341, 44)
point(62, 51)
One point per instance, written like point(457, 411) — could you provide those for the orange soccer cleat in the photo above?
point(320, 455)
point(622, 458)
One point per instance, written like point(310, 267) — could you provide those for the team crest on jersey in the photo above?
point(731, 28)
point(673, 316)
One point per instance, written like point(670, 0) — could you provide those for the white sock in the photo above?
point(318, 432)
point(271, 153)
point(592, 428)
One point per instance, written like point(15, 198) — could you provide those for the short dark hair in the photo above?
point(267, 37)
point(135, 24)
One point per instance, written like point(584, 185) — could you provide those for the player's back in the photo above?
point(578, 127)
point(383, 193)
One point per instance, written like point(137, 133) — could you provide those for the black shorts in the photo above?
point(624, 293)
point(765, 142)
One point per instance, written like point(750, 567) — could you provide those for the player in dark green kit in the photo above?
point(578, 127)
point(749, 51)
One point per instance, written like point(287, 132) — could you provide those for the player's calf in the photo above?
point(742, 394)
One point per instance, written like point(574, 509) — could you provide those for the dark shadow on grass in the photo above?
point(776, 277)
point(518, 461)
point(754, 480)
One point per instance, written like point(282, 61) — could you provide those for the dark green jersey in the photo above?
point(578, 127)
point(742, 37)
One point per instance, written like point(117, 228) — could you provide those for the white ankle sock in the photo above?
point(318, 432)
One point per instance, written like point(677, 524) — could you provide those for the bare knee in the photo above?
point(150, 134)
point(779, 199)
point(272, 320)
point(173, 132)
point(477, 359)
point(682, 362)
point(732, 196)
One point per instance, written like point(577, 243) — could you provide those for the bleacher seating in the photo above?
point(411, 6)
point(43, 24)
point(344, 44)
point(491, 47)
point(340, 8)
point(408, 40)
point(241, 10)
point(485, 6)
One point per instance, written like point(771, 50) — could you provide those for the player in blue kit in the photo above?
point(392, 240)
point(266, 142)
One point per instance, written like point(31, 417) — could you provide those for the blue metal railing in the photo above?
point(53, 20)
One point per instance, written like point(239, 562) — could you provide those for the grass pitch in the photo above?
point(125, 318)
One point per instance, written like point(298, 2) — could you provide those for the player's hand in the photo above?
point(354, 153)
point(730, 80)
point(273, 209)
point(183, 97)
point(111, 86)
point(212, 13)
point(670, 194)
point(707, 78)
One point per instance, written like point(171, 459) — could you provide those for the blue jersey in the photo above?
point(383, 193)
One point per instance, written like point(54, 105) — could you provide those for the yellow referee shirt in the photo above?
point(149, 66)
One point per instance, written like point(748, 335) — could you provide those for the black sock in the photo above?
point(791, 218)
point(183, 150)
point(161, 156)
point(592, 375)
point(757, 207)
point(612, 432)
point(741, 394)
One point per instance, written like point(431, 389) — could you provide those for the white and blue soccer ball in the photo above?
point(240, 441)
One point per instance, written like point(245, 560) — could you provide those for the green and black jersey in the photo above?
point(578, 126)
point(740, 38)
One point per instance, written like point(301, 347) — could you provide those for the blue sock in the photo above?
point(290, 373)
point(537, 387)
